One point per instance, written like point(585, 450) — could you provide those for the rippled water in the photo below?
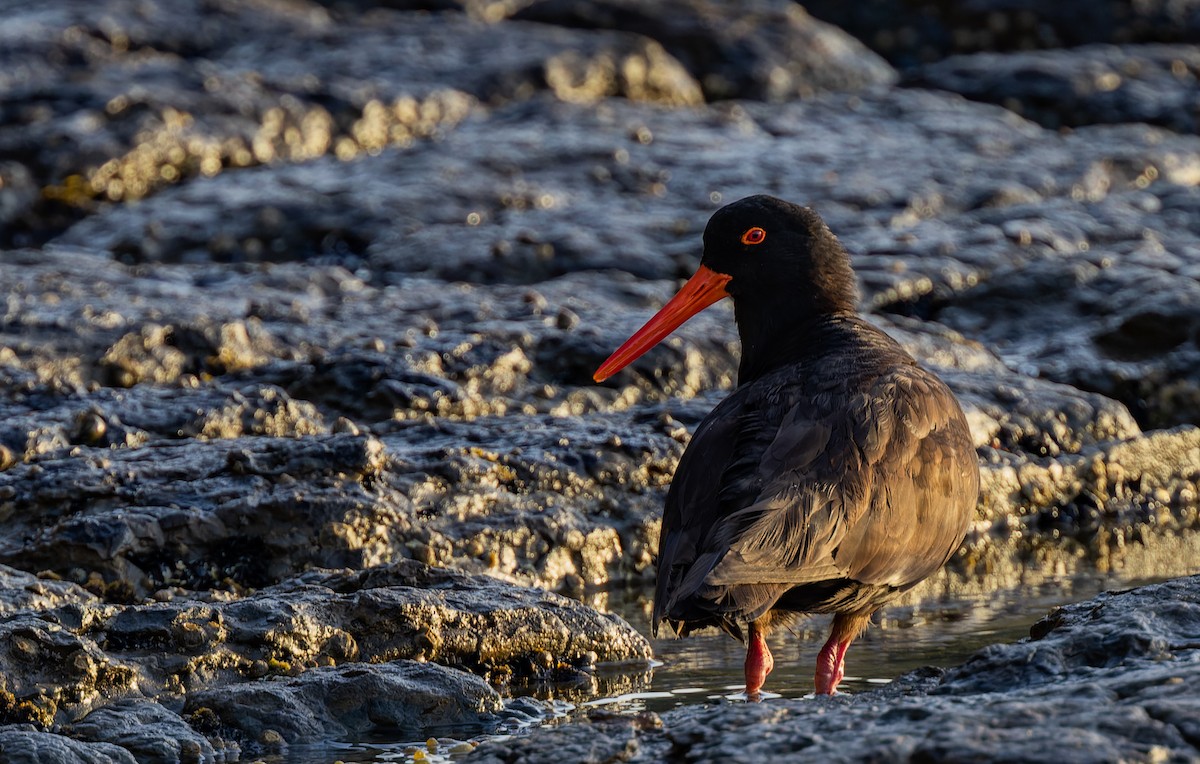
point(708, 667)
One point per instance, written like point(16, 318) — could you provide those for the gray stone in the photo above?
point(911, 32)
point(242, 490)
point(1112, 339)
point(153, 734)
point(51, 669)
point(29, 746)
point(1093, 84)
point(769, 50)
point(154, 101)
point(59, 663)
point(350, 702)
point(22, 592)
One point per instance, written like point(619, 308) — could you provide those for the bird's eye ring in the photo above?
point(754, 235)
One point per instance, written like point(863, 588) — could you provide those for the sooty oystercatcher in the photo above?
point(838, 474)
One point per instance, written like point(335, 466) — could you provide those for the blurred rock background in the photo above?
point(302, 300)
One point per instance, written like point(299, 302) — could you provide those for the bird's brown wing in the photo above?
point(872, 484)
point(693, 507)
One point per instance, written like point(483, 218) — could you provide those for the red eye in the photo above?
point(754, 235)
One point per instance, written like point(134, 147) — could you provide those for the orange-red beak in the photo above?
point(701, 290)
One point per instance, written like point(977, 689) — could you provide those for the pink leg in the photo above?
point(758, 662)
point(831, 662)
point(831, 665)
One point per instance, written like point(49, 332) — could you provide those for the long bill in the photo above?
point(703, 289)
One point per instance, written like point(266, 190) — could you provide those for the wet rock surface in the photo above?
point(347, 703)
point(147, 730)
point(1155, 84)
point(765, 50)
point(1107, 679)
point(328, 655)
point(296, 288)
point(22, 744)
point(909, 32)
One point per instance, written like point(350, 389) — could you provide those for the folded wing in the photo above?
point(811, 499)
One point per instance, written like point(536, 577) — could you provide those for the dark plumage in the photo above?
point(837, 475)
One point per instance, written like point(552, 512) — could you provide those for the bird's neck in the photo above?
point(777, 339)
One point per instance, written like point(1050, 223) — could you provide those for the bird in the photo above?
point(837, 475)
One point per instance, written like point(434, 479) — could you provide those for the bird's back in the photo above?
point(830, 483)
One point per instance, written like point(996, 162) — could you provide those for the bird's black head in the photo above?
point(780, 255)
point(785, 271)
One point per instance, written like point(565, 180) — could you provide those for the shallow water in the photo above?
point(707, 668)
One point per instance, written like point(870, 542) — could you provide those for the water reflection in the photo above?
point(942, 632)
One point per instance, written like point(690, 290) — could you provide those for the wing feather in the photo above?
point(798, 489)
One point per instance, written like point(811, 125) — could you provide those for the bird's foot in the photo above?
point(758, 663)
point(831, 666)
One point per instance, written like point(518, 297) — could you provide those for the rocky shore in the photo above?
point(1108, 679)
point(298, 439)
